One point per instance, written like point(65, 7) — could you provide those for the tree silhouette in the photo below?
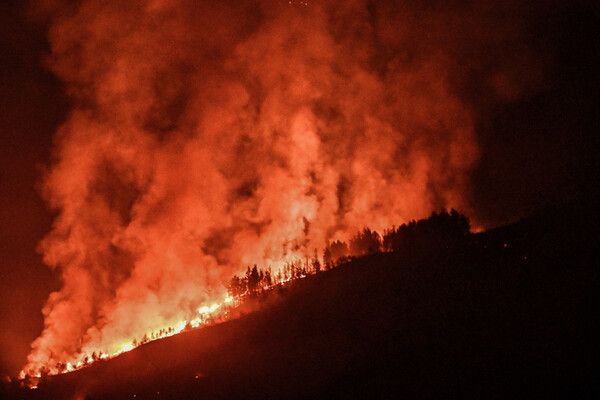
point(327, 259)
point(267, 278)
point(253, 279)
point(365, 242)
point(334, 252)
point(440, 231)
point(237, 286)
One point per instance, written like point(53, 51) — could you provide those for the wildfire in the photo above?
point(205, 315)
point(194, 130)
point(366, 242)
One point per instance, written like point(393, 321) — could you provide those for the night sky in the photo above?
point(536, 137)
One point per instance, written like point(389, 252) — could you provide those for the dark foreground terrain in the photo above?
point(511, 313)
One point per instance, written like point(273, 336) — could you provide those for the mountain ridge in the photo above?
point(509, 313)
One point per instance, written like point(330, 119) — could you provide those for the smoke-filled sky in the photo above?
point(152, 149)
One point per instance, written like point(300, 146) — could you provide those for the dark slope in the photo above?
point(511, 314)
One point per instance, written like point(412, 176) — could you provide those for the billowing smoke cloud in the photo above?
point(207, 136)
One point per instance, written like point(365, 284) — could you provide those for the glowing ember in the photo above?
point(206, 313)
point(214, 312)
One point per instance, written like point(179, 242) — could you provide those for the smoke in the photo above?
point(207, 136)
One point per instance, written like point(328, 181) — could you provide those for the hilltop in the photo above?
point(510, 312)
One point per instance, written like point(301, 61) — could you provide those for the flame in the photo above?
point(213, 312)
point(123, 348)
point(206, 136)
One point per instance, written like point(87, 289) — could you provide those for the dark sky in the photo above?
point(536, 151)
point(542, 150)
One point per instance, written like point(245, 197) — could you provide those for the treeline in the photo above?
point(444, 230)
point(440, 232)
point(258, 280)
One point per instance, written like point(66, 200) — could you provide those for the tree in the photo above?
point(315, 262)
point(327, 259)
point(253, 279)
point(292, 271)
point(237, 286)
point(365, 242)
point(335, 251)
point(286, 272)
point(60, 367)
point(387, 240)
point(438, 232)
point(267, 279)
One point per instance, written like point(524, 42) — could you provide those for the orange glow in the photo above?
point(216, 311)
point(206, 314)
point(206, 137)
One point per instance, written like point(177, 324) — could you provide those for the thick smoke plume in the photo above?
point(207, 136)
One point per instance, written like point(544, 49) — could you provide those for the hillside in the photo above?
point(510, 313)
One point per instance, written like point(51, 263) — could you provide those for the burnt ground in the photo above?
point(512, 313)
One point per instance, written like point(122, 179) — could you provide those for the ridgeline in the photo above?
point(510, 312)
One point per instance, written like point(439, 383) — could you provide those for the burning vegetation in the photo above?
point(434, 304)
point(440, 230)
point(206, 136)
